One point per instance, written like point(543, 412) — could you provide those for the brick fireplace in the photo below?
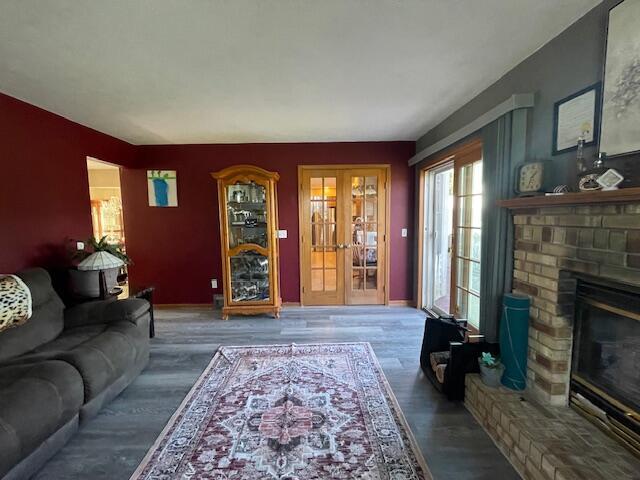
point(559, 240)
point(552, 244)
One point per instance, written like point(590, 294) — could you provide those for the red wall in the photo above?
point(178, 249)
point(44, 191)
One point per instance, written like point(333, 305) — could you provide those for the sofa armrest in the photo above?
point(105, 311)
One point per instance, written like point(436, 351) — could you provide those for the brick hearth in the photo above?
point(546, 442)
point(551, 245)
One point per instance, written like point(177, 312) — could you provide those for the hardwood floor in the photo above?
point(112, 444)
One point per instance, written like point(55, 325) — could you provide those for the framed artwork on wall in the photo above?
point(576, 116)
point(162, 188)
point(620, 133)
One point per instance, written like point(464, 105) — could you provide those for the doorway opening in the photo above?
point(105, 194)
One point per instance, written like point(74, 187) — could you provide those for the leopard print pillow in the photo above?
point(15, 302)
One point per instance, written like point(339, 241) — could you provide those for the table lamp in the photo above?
point(101, 261)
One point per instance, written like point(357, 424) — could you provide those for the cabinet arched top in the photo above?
point(244, 172)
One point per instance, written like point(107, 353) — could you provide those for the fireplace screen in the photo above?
point(608, 351)
point(605, 376)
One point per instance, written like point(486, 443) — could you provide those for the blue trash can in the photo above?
point(514, 340)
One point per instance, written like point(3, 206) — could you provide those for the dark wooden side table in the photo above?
point(147, 294)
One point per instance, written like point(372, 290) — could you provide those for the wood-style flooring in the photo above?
point(110, 446)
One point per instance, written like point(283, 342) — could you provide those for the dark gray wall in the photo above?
point(568, 63)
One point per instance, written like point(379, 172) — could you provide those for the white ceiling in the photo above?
point(200, 71)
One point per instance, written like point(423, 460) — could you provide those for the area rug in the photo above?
point(288, 412)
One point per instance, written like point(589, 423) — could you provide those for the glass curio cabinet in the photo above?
point(248, 231)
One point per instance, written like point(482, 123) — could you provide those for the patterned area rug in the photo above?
point(288, 412)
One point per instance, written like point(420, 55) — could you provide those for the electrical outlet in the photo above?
point(282, 234)
point(79, 245)
point(404, 232)
point(214, 283)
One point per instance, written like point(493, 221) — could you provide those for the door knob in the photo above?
point(340, 245)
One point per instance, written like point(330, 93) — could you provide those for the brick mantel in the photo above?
point(552, 244)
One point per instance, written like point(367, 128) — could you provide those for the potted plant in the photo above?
point(86, 283)
point(491, 370)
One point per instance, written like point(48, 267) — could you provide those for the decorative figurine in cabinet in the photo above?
point(248, 230)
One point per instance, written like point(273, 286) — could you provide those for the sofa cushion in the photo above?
point(101, 353)
point(45, 324)
point(35, 401)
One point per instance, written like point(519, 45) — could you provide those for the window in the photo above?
point(452, 227)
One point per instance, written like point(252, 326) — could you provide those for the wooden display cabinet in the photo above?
point(248, 231)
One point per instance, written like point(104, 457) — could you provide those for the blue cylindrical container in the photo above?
point(514, 340)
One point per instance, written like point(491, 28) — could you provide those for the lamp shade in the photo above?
point(100, 261)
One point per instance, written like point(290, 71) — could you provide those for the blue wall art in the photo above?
point(162, 188)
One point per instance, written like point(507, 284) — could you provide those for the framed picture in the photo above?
point(620, 133)
point(162, 188)
point(574, 116)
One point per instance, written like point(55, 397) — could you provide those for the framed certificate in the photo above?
point(574, 116)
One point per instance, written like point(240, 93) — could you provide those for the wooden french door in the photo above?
point(343, 233)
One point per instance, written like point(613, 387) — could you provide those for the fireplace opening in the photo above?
point(605, 375)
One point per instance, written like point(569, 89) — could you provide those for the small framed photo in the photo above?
point(610, 179)
point(575, 116)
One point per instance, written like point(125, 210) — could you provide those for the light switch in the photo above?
point(79, 245)
point(282, 234)
point(404, 232)
point(214, 283)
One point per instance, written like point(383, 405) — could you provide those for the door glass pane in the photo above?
point(371, 257)
point(357, 187)
point(357, 235)
point(330, 211)
point(469, 243)
point(371, 187)
point(316, 188)
point(473, 315)
point(317, 234)
point(474, 277)
point(371, 210)
point(439, 218)
point(316, 211)
point(330, 234)
point(358, 256)
point(476, 236)
point(357, 279)
point(372, 279)
point(247, 214)
point(329, 189)
point(249, 276)
point(372, 234)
